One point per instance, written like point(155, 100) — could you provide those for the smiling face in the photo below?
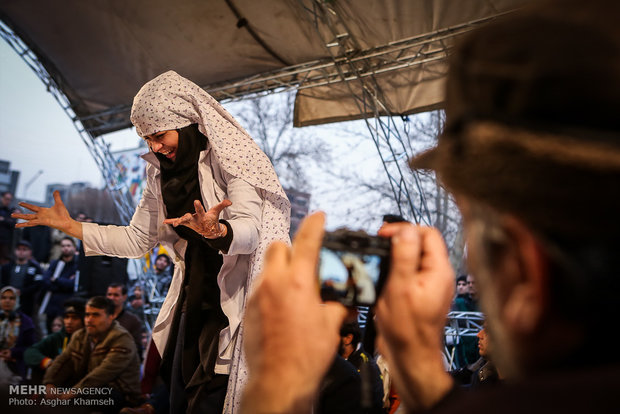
point(164, 142)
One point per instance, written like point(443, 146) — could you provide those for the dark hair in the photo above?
point(163, 255)
point(101, 302)
point(74, 305)
point(461, 278)
point(352, 328)
point(119, 285)
point(393, 218)
point(70, 239)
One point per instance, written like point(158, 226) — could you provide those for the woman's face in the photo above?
point(7, 301)
point(164, 142)
point(57, 324)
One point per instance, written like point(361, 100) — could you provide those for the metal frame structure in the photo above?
point(98, 149)
point(348, 64)
point(459, 325)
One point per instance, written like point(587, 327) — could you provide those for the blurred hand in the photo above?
point(204, 223)
point(412, 310)
point(291, 338)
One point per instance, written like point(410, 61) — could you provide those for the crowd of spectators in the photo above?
point(59, 329)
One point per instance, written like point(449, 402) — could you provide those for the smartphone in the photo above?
point(352, 267)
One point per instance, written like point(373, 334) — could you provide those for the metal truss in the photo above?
point(459, 325)
point(97, 147)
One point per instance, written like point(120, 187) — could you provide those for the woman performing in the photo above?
point(200, 156)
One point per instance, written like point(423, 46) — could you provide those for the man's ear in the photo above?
point(526, 289)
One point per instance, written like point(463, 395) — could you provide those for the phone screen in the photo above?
point(349, 277)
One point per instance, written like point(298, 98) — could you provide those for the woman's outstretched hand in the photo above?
point(205, 223)
point(55, 216)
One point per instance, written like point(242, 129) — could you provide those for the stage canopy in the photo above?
point(100, 52)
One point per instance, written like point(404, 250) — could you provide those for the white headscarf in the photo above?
point(170, 102)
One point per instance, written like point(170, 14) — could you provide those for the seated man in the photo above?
point(101, 355)
point(531, 152)
point(40, 355)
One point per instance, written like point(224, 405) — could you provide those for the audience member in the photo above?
point(481, 372)
point(160, 274)
point(531, 152)
point(7, 226)
point(466, 346)
point(101, 355)
point(117, 293)
point(473, 293)
point(340, 390)
point(16, 331)
point(352, 349)
point(40, 237)
point(487, 374)
point(40, 355)
point(59, 282)
point(136, 302)
point(462, 299)
point(26, 275)
point(57, 324)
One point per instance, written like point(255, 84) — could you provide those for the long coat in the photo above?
point(240, 263)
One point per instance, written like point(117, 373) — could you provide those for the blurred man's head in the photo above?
point(23, 252)
point(6, 198)
point(483, 344)
point(531, 151)
point(350, 336)
point(461, 285)
point(99, 317)
point(117, 293)
point(73, 316)
point(162, 262)
point(471, 287)
point(67, 248)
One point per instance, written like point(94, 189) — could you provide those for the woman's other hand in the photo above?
point(205, 223)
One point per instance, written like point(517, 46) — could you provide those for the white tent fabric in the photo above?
point(101, 52)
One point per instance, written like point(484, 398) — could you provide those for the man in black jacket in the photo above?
point(352, 349)
point(24, 273)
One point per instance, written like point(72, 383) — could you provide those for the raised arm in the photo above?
point(56, 216)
